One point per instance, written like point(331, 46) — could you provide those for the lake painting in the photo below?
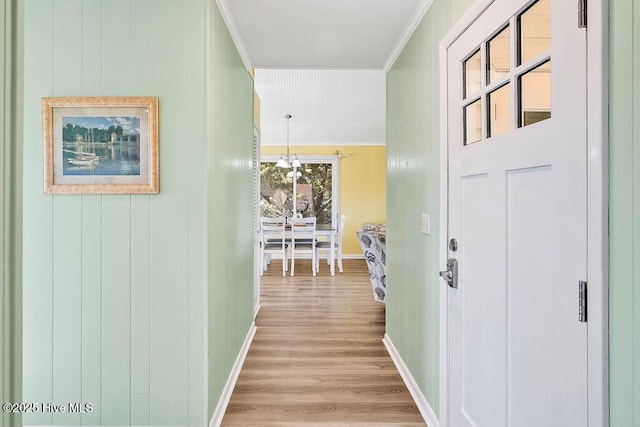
point(101, 145)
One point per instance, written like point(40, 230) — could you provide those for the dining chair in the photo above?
point(273, 240)
point(303, 240)
point(332, 250)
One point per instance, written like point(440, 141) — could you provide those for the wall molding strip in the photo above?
point(225, 396)
point(425, 409)
point(225, 11)
point(421, 10)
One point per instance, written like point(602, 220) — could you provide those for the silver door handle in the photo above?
point(446, 275)
point(450, 275)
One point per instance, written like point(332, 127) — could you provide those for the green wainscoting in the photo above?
point(229, 205)
point(624, 213)
point(413, 133)
point(10, 208)
point(117, 285)
point(413, 156)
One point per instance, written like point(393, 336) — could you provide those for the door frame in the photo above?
point(597, 208)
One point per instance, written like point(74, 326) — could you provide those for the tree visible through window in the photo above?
point(313, 187)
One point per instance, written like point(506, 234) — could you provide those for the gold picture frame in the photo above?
point(100, 145)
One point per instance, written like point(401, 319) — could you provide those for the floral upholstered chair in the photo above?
point(373, 241)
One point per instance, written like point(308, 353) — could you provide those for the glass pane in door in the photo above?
point(472, 116)
point(498, 56)
point(471, 74)
point(535, 30)
point(535, 95)
point(499, 111)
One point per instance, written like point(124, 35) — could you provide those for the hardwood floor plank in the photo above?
point(317, 358)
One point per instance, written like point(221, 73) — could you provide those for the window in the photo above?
point(314, 184)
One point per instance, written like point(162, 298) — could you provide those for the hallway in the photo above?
point(317, 357)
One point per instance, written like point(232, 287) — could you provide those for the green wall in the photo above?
point(413, 110)
point(230, 206)
point(10, 208)
point(117, 287)
point(624, 213)
point(413, 132)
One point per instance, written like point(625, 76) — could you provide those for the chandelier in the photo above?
point(288, 161)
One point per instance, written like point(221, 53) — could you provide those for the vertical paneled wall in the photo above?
point(624, 213)
point(229, 206)
point(10, 209)
point(413, 111)
point(114, 285)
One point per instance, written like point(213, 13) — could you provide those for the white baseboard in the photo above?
point(218, 414)
point(425, 409)
point(256, 310)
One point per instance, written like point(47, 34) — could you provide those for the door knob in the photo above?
point(450, 275)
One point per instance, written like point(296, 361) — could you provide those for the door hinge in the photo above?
point(582, 13)
point(582, 301)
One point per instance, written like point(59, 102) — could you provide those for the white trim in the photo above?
point(469, 17)
point(225, 396)
point(227, 16)
point(327, 144)
point(597, 207)
point(256, 222)
point(597, 212)
point(256, 310)
point(421, 10)
point(425, 409)
point(308, 158)
point(443, 380)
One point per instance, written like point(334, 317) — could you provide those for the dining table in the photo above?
point(328, 231)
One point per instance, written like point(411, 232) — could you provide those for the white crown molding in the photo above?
point(416, 18)
point(227, 16)
point(325, 144)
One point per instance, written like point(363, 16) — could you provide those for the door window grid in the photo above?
point(519, 67)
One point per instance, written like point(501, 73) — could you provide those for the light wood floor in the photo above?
point(317, 357)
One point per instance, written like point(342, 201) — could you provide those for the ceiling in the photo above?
point(323, 62)
point(329, 107)
point(348, 34)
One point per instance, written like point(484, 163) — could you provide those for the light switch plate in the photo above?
point(426, 224)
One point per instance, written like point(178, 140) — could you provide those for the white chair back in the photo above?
point(272, 229)
point(273, 239)
point(303, 239)
point(303, 229)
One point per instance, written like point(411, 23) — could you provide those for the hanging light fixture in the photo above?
point(288, 161)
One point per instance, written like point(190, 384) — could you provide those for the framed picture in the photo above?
point(100, 145)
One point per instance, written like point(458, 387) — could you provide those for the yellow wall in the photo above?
point(363, 185)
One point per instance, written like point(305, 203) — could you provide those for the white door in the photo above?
point(516, 135)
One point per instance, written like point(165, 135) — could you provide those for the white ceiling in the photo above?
point(347, 34)
point(332, 107)
point(322, 61)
